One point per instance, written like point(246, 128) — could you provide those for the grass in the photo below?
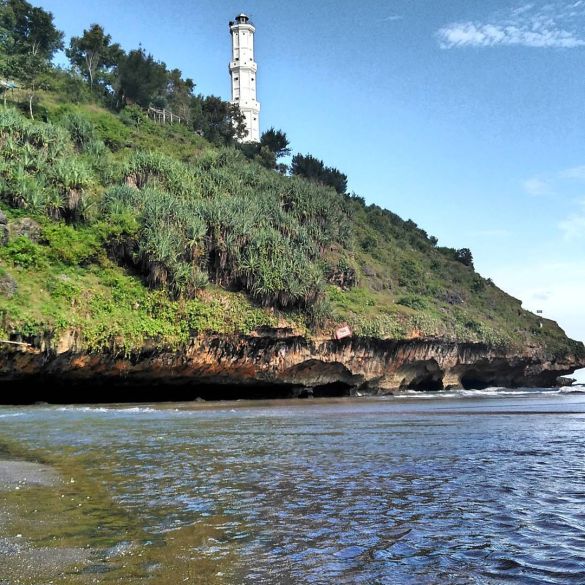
point(113, 309)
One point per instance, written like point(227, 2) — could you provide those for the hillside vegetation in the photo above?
point(124, 233)
point(143, 235)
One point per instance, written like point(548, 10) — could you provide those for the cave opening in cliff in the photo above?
point(52, 391)
point(333, 390)
point(421, 376)
point(473, 381)
point(430, 383)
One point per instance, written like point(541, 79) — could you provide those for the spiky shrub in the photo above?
point(40, 170)
point(53, 140)
point(71, 177)
point(168, 245)
point(81, 130)
point(234, 223)
point(218, 219)
point(151, 169)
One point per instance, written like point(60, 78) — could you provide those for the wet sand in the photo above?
point(21, 561)
point(15, 474)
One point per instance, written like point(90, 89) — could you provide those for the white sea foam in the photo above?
point(491, 392)
point(425, 395)
point(11, 414)
point(129, 410)
point(494, 392)
point(81, 409)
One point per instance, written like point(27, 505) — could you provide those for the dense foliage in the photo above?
point(94, 55)
point(219, 218)
point(243, 228)
point(28, 41)
point(312, 168)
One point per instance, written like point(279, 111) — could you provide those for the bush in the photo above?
point(109, 129)
point(464, 256)
point(81, 130)
point(410, 274)
point(23, 253)
point(72, 246)
point(133, 116)
point(413, 301)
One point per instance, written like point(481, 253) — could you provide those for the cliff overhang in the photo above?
point(269, 364)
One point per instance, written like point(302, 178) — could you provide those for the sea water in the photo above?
point(452, 487)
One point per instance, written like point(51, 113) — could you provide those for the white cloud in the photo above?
point(536, 187)
point(392, 18)
point(544, 26)
point(573, 227)
point(573, 173)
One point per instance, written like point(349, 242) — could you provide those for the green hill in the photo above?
point(139, 235)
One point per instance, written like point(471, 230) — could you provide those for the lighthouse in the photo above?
point(243, 70)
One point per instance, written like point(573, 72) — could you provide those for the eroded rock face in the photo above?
point(4, 232)
point(26, 227)
point(284, 364)
point(8, 286)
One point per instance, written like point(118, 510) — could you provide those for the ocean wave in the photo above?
point(497, 391)
point(110, 410)
point(491, 392)
point(81, 409)
point(572, 390)
point(11, 414)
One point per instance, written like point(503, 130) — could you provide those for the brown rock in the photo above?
point(279, 362)
point(3, 229)
point(8, 286)
point(25, 227)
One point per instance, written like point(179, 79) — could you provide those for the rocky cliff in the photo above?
point(131, 270)
point(271, 363)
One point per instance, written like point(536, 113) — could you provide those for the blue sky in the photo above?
point(466, 116)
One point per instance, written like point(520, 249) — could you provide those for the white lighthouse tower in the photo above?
point(243, 71)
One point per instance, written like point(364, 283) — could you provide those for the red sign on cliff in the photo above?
point(342, 332)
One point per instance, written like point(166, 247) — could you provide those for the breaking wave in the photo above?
point(492, 392)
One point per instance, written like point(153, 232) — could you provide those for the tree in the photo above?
point(276, 141)
point(315, 170)
point(335, 179)
point(33, 72)
point(93, 53)
point(464, 256)
point(307, 166)
point(179, 94)
point(140, 78)
point(273, 145)
point(31, 30)
point(266, 157)
point(29, 39)
point(6, 38)
point(220, 122)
